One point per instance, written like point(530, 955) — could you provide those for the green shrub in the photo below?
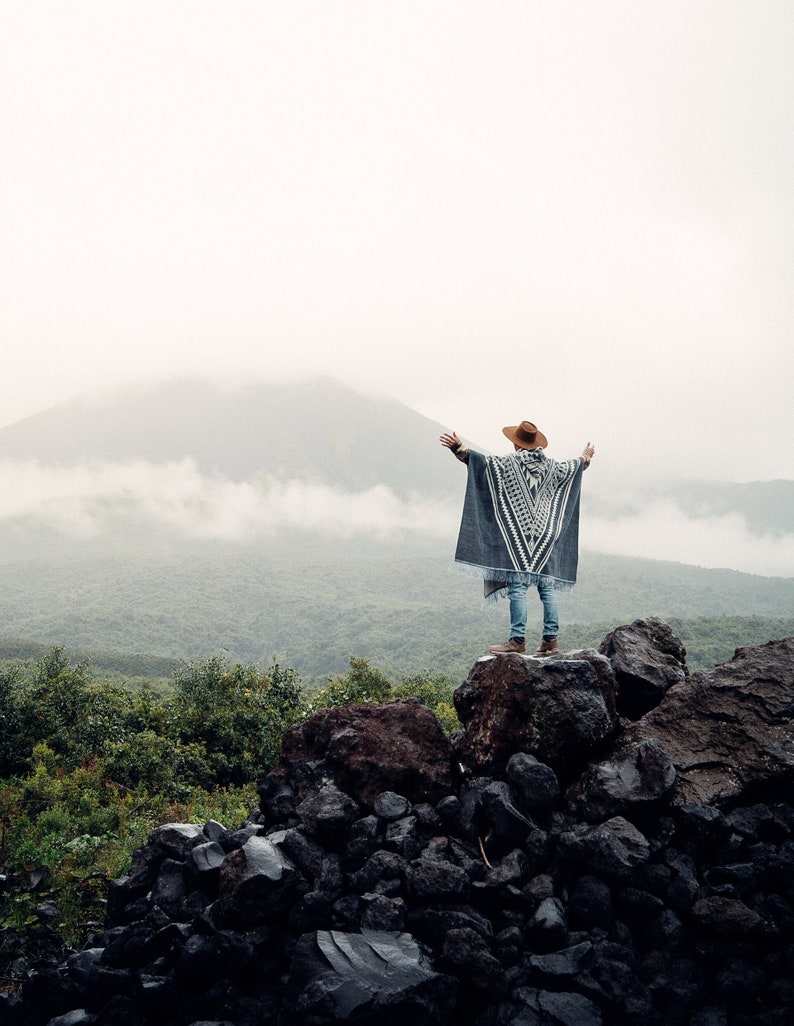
point(73, 715)
point(156, 763)
point(90, 767)
point(366, 683)
point(237, 714)
point(11, 740)
point(447, 717)
point(434, 690)
point(361, 683)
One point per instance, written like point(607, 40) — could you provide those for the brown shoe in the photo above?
point(548, 646)
point(518, 647)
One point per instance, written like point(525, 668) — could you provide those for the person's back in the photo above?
point(520, 527)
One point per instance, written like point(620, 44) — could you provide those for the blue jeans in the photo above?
point(517, 594)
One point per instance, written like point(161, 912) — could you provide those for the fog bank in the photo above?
point(100, 498)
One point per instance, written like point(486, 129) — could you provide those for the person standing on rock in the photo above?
point(520, 527)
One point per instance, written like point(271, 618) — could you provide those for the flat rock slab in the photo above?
point(366, 977)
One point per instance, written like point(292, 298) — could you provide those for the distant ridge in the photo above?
point(767, 507)
point(318, 431)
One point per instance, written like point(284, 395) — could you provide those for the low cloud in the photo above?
point(663, 531)
point(88, 501)
point(84, 501)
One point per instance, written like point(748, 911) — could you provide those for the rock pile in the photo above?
point(608, 841)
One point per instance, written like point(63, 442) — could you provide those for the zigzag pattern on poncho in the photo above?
point(520, 520)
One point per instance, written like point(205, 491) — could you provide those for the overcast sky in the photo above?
point(574, 212)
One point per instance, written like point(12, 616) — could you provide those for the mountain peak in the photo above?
point(317, 430)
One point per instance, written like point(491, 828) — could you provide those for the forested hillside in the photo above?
point(311, 606)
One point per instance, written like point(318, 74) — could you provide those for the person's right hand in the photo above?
point(450, 440)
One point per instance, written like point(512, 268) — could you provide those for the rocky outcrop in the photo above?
point(562, 711)
point(648, 659)
point(365, 750)
point(729, 730)
point(570, 885)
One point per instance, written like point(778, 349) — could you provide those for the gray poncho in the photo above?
point(520, 520)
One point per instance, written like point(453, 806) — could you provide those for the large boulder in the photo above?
point(613, 849)
point(256, 882)
point(561, 711)
point(364, 750)
point(648, 659)
point(633, 782)
point(728, 730)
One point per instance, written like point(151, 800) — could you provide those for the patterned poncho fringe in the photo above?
point(520, 521)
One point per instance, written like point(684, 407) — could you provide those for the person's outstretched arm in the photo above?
point(455, 446)
point(587, 454)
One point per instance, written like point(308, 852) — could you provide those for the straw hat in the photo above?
point(526, 435)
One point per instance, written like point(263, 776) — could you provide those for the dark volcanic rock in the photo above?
point(728, 730)
point(170, 889)
point(365, 750)
point(548, 926)
point(614, 849)
point(175, 840)
point(327, 812)
point(369, 978)
point(532, 1007)
point(256, 882)
point(629, 783)
point(536, 786)
point(382, 873)
point(647, 659)
point(468, 956)
point(728, 917)
point(431, 881)
point(591, 903)
point(391, 806)
point(560, 711)
point(204, 862)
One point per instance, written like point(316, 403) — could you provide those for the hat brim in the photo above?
point(510, 432)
